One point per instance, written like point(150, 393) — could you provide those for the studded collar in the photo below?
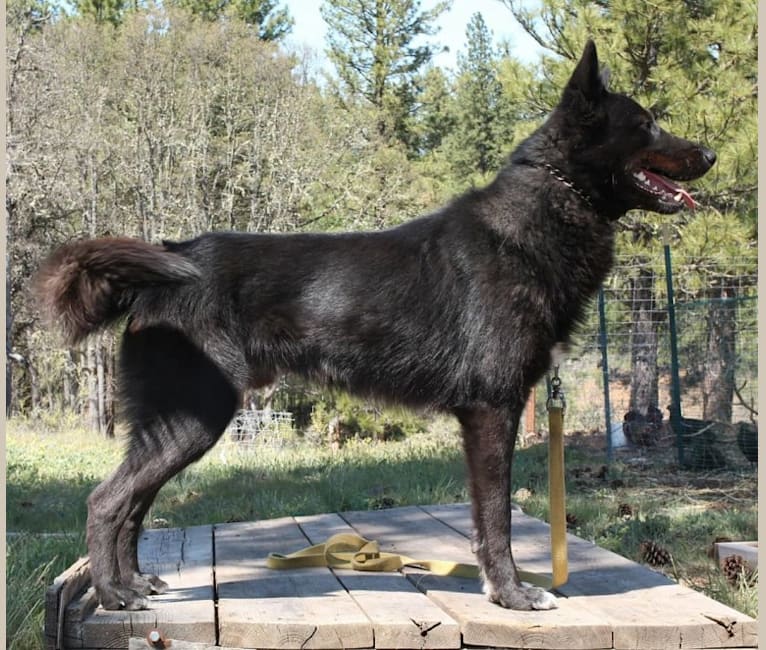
point(561, 177)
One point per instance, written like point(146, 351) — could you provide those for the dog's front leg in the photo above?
point(489, 436)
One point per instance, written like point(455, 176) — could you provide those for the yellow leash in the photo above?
point(556, 487)
point(350, 551)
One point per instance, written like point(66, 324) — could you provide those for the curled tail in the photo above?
point(85, 286)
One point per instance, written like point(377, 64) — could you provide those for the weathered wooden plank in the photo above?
point(645, 608)
point(636, 600)
point(414, 532)
point(591, 568)
point(530, 540)
point(181, 557)
point(262, 608)
point(411, 531)
point(672, 616)
point(58, 596)
point(401, 616)
point(483, 623)
point(608, 597)
point(77, 612)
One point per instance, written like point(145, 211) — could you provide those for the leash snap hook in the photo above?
point(556, 397)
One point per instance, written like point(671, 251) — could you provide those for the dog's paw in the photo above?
point(158, 586)
point(524, 597)
point(547, 601)
point(117, 598)
point(146, 584)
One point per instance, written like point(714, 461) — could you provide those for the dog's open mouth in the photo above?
point(662, 188)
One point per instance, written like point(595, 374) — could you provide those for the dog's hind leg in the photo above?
point(177, 403)
point(489, 436)
point(127, 551)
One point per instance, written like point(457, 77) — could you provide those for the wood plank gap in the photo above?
point(215, 586)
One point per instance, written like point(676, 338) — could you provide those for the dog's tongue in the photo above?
point(677, 191)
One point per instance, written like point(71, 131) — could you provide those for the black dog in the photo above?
point(457, 311)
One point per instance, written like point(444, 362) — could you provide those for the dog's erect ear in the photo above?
point(587, 85)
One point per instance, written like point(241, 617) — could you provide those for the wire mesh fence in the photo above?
point(668, 358)
point(261, 427)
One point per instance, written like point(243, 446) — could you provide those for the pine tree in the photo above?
point(102, 11)
point(273, 22)
point(435, 117)
point(484, 124)
point(377, 48)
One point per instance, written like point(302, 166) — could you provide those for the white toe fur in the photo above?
point(546, 601)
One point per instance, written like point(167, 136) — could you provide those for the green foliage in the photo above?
point(272, 21)
point(102, 11)
point(434, 119)
point(357, 419)
point(23, 17)
point(377, 48)
point(483, 116)
point(32, 562)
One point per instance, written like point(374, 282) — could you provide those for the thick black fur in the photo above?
point(457, 311)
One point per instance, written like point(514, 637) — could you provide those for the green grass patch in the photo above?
point(32, 562)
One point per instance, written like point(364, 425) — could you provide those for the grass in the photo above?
point(49, 475)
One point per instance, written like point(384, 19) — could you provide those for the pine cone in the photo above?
point(654, 554)
point(625, 511)
point(572, 520)
point(737, 570)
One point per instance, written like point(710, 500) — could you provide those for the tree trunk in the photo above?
point(8, 346)
point(109, 415)
point(718, 368)
point(90, 361)
point(31, 367)
point(70, 385)
point(644, 373)
point(100, 385)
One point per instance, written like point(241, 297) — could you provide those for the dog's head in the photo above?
point(614, 150)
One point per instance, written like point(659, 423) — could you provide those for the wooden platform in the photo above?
point(224, 596)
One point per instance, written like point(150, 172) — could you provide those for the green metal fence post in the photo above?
point(602, 344)
point(675, 382)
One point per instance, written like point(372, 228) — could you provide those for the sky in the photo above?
point(309, 28)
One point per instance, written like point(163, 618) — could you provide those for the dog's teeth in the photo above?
point(678, 197)
point(641, 176)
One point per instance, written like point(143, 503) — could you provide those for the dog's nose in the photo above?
point(709, 156)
